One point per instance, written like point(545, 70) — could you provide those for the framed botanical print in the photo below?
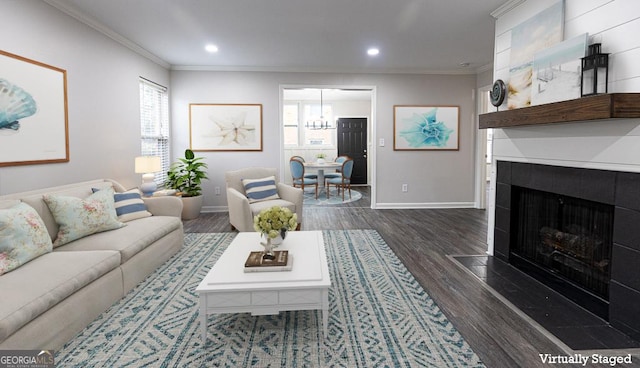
point(225, 127)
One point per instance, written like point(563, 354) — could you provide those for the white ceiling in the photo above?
point(414, 36)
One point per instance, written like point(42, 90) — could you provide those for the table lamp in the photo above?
point(147, 166)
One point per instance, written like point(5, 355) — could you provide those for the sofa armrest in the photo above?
point(164, 206)
point(240, 215)
point(293, 195)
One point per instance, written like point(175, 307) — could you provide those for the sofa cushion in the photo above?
point(259, 206)
point(78, 217)
point(263, 189)
point(45, 281)
point(23, 237)
point(129, 240)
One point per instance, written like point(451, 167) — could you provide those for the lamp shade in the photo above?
point(148, 164)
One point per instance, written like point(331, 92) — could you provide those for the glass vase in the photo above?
point(267, 253)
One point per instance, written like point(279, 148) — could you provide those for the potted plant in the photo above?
point(321, 157)
point(185, 176)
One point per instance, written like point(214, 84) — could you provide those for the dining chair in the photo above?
point(300, 158)
point(344, 181)
point(337, 174)
point(297, 173)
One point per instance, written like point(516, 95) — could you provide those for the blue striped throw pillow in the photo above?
point(260, 189)
point(130, 206)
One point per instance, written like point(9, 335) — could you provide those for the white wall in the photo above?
point(434, 178)
point(611, 144)
point(102, 92)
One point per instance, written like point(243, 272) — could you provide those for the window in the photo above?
point(304, 134)
point(154, 125)
point(290, 117)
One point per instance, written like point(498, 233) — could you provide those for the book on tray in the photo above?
point(281, 262)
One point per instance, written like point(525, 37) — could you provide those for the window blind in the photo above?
point(154, 125)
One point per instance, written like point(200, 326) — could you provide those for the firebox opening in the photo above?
point(566, 243)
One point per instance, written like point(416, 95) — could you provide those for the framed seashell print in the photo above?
point(33, 112)
point(225, 127)
point(421, 128)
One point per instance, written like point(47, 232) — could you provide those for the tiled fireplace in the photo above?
point(576, 230)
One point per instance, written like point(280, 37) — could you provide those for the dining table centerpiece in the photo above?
point(273, 223)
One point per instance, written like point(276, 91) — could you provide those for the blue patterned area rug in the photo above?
point(334, 197)
point(379, 317)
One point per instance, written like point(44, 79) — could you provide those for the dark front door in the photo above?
point(352, 142)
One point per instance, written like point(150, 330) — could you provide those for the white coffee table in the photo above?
point(228, 289)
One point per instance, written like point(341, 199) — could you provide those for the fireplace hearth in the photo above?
point(575, 230)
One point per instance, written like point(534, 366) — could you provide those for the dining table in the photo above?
point(320, 167)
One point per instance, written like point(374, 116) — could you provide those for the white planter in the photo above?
point(191, 207)
point(321, 161)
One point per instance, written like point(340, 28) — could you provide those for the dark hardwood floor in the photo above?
point(424, 240)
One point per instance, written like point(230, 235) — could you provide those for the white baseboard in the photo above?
point(210, 209)
point(436, 205)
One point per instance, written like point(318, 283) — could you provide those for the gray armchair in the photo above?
point(241, 212)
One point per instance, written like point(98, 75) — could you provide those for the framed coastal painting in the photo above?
point(33, 112)
point(225, 127)
point(557, 71)
point(418, 128)
point(541, 31)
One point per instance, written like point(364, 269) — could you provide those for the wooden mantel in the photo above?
point(606, 106)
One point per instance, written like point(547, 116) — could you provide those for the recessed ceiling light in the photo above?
point(373, 51)
point(211, 48)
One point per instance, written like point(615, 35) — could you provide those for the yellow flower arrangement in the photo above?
point(274, 221)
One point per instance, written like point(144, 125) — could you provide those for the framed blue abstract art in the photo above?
point(420, 128)
point(33, 112)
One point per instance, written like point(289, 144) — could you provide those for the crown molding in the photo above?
point(484, 68)
point(100, 27)
point(277, 69)
point(506, 7)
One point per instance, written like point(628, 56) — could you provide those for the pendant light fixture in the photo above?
point(317, 124)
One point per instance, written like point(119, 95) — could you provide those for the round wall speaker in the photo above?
point(498, 93)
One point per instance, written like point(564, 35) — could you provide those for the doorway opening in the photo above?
point(329, 121)
point(484, 150)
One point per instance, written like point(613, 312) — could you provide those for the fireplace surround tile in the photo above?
point(628, 191)
point(625, 304)
point(628, 261)
point(503, 195)
point(597, 185)
point(504, 172)
point(625, 228)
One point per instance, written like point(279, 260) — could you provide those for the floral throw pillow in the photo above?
point(23, 237)
point(79, 217)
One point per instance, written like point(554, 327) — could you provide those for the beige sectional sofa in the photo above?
point(49, 299)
